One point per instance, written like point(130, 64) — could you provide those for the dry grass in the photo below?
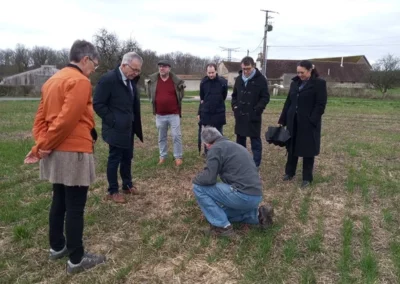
point(156, 237)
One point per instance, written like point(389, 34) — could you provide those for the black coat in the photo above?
point(308, 105)
point(114, 104)
point(213, 94)
point(248, 103)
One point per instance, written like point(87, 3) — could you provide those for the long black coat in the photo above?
point(212, 95)
point(309, 106)
point(114, 104)
point(248, 104)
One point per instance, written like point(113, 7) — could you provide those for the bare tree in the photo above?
point(217, 59)
point(128, 46)
point(7, 63)
point(109, 48)
point(8, 57)
point(22, 58)
point(150, 60)
point(41, 55)
point(385, 74)
point(62, 58)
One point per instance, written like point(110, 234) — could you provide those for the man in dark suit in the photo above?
point(117, 102)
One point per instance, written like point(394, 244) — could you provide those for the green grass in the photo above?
point(314, 242)
point(326, 233)
point(368, 262)
point(304, 208)
point(346, 260)
point(290, 249)
point(395, 255)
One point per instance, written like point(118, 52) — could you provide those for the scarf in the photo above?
point(245, 79)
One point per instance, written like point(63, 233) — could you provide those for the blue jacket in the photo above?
point(120, 113)
point(213, 94)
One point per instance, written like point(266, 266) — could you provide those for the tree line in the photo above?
point(111, 49)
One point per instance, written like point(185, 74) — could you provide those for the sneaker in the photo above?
point(88, 261)
point(178, 162)
point(220, 232)
point(53, 255)
point(116, 197)
point(305, 184)
point(265, 214)
point(133, 190)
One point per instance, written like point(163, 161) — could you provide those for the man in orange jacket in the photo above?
point(63, 130)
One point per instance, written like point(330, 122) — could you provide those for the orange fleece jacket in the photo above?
point(65, 114)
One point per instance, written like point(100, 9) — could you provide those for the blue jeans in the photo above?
point(162, 123)
point(256, 147)
point(222, 204)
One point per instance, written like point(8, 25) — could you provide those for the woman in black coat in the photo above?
point(301, 114)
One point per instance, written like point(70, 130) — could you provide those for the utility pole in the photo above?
point(229, 51)
point(267, 28)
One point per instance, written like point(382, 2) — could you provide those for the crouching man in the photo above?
point(236, 199)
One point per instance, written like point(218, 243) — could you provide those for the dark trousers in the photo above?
point(122, 158)
point(256, 147)
point(308, 165)
point(69, 204)
point(221, 130)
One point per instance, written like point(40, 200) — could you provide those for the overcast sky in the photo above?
point(310, 28)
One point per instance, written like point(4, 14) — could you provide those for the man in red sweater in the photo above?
point(166, 92)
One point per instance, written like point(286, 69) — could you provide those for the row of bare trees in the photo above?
point(111, 49)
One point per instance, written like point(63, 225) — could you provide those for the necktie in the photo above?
point(128, 83)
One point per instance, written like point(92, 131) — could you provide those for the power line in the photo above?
point(333, 45)
point(257, 46)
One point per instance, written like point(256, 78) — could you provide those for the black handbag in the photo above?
point(277, 135)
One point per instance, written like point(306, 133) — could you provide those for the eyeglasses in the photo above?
point(96, 65)
point(134, 70)
point(247, 68)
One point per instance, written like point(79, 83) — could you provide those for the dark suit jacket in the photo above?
point(115, 105)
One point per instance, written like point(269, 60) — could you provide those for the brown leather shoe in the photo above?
point(161, 161)
point(133, 190)
point(116, 197)
point(178, 162)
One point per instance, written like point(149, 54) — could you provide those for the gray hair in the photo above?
point(82, 48)
point(128, 57)
point(210, 134)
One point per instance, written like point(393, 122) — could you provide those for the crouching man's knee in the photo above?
point(197, 189)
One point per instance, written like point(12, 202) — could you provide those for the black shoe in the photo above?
point(305, 183)
point(220, 232)
point(287, 177)
point(265, 214)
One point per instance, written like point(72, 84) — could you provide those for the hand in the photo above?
point(198, 117)
point(30, 158)
point(44, 153)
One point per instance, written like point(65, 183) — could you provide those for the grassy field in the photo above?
point(344, 229)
